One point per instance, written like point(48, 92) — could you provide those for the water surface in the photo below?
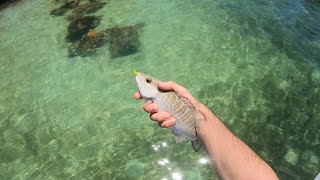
point(255, 63)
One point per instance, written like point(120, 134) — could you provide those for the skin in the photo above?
point(231, 157)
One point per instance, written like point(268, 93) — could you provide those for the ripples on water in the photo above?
point(292, 26)
point(294, 29)
point(256, 63)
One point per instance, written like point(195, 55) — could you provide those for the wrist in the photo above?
point(211, 126)
point(210, 122)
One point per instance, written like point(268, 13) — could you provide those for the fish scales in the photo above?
point(179, 107)
point(185, 124)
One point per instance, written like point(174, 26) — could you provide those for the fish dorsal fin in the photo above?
point(201, 118)
point(187, 102)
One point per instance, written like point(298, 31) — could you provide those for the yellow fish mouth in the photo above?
point(135, 72)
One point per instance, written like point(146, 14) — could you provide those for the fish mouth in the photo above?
point(135, 72)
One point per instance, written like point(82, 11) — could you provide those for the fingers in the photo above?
point(150, 107)
point(164, 119)
point(172, 86)
point(160, 117)
point(168, 123)
point(137, 95)
point(179, 90)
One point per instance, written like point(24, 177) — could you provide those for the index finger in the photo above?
point(172, 86)
point(178, 89)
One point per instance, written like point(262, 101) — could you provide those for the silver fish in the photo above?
point(180, 108)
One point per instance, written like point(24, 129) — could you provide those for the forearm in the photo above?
point(231, 157)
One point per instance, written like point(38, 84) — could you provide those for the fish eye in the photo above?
point(148, 80)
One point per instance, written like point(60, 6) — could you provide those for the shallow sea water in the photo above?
point(255, 63)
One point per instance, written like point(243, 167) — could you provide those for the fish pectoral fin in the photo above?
point(178, 139)
point(196, 144)
point(200, 117)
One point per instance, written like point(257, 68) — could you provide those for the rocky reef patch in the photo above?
point(124, 40)
point(84, 39)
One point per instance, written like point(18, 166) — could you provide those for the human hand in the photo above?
point(166, 119)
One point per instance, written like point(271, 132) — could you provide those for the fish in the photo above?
point(180, 108)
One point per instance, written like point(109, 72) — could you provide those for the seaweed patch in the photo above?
point(88, 44)
point(123, 40)
point(7, 3)
point(80, 26)
point(65, 8)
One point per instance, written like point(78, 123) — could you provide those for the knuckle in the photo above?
point(172, 121)
point(149, 108)
point(153, 116)
point(145, 108)
point(171, 83)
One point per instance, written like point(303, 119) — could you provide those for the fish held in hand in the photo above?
point(180, 107)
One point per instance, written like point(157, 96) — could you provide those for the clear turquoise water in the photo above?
point(255, 63)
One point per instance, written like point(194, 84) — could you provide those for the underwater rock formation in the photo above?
point(89, 7)
point(59, 11)
point(6, 3)
point(88, 44)
point(80, 26)
point(86, 8)
point(124, 40)
point(65, 8)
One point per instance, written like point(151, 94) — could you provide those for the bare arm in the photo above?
point(231, 157)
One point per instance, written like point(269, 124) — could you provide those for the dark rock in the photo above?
point(80, 26)
point(71, 4)
point(6, 3)
point(65, 8)
point(124, 40)
point(88, 44)
point(86, 8)
point(59, 11)
point(89, 7)
point(60, 1)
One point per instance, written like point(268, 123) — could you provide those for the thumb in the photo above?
point(166, 86)
point(172, 86)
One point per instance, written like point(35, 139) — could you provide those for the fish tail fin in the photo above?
point(196, 144)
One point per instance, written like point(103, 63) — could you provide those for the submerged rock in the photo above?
point(71, 4)
point(79, 27)
point(89, 7)
point(6, 3)
point(65, 8)
point(59, 11)
point(124, 40)
point(88, 44)
point(134, 168)
point(86, 8)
